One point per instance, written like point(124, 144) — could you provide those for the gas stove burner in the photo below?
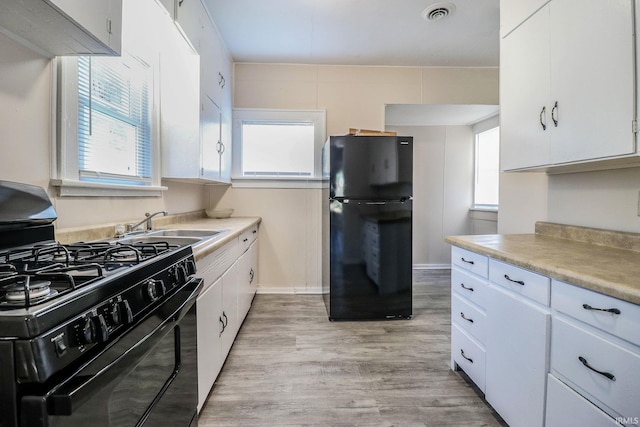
point(27, 288)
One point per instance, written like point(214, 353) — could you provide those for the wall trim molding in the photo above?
point(432, 266)
point(289, 290)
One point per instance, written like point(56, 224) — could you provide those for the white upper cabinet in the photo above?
point(180, 108)
point(567, 87)
point(210, 159)
point(64, 27)
point(524, 94)
point(189, 15)
point(514, 12)
point(592, 79)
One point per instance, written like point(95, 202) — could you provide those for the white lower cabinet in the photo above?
point(517, 357)
point(247, 279)
point(230, 278)
point(565, 408)
point(468, 355)
point(209, 309)
point(544, 352)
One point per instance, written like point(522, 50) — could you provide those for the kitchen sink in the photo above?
point(185, 233)
point(172, 240)
point(179, 237)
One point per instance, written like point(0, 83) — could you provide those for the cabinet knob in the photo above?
point(554, 111)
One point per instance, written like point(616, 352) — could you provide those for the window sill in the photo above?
point(70, 188)
point(252, 182)
point(484, 208)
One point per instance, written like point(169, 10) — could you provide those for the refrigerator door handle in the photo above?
point(376, 203)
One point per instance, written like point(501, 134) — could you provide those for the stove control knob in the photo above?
point(102, 330)
point(115, 314)
point(180, 275)
point(155, 289)
point(126, 312)
point(120, 312)
point(87, 331)
point(94, 329)
point(190, 267)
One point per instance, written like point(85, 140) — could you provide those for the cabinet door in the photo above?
point(227, 114)
point(517, 357)
point(229, 308)
point(247, 280)
point(514, 12)
point(210, 57)
point(565, 407)
point(210, 117)
point(189, 15)
point(209, 310)
point(102, 18)
point(179, 108)
point(170, 6)
point(592, 69)
point(524, 95)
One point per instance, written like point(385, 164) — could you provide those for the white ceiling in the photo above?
point(358, 32)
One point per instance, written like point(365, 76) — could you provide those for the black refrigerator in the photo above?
point(366, 227)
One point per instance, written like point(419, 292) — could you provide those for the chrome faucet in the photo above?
point(147, 219)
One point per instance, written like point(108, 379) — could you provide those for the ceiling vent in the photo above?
point(438, 11)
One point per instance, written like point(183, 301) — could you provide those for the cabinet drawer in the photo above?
point(569, 342)
point(211, 267)
point(469, 318)
point(468, 355)
point(470, 261)
point(471, 287)
point(565, 407)
point(522, 282)
point(621, 318)
point(247, 237)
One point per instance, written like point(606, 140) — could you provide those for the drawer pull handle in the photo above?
point(468, 358)
point(519, 282)
point(468, 262)
point(465, 287)
point(604, 374)
point(466, 318)
point(608, 310)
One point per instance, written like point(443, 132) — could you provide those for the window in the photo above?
point(277, 144)
point(107, 113)
point(114, 120)
point(106, 144)
point(487, 168)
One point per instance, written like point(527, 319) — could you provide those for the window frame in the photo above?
point(478, 128)
point(65, 168)
point(257, 115)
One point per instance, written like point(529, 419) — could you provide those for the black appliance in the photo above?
point(92, 334)
point(367, 208)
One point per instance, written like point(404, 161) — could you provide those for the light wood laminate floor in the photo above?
point(290, 366)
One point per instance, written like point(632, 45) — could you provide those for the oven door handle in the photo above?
point(78, 389)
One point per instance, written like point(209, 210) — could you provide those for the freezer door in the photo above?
point(370, 260)
point(371, 167)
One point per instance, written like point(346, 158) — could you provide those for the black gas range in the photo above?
point(92, 333)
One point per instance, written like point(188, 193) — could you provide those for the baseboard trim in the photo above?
point(432, 266)
point(289, 290)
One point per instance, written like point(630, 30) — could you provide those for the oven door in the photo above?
point(146, 377)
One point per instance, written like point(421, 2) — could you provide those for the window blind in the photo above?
point(114, 120)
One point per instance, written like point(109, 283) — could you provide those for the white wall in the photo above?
point(442, 189)
point(352, 97)
point(523, 201)
point(26, 91)
point(603, 199)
